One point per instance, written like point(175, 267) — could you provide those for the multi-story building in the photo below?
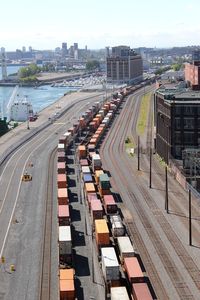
point(124, 65)
point(192, 71)
point(177, 120)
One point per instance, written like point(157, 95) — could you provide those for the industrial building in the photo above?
point(124, 65)
point(177, 120)
point(192, 71)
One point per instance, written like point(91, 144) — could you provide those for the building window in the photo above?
point(177, 137)
point(189, 138)
point(177, 110)
point(178, 152)
point(198, 123)
point(177, 123)
point(188, 110)
point(188, 123)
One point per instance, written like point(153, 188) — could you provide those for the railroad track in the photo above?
point(45, 280)
point(176, 277)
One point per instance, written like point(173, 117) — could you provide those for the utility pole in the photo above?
point(138, 152)
point(150, 163)
point(166, 191)
point(190, 219)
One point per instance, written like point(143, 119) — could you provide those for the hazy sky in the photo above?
point(46, 24)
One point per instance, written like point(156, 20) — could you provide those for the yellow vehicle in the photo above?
point(26, 177)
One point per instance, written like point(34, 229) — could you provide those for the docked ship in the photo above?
point(19, 108)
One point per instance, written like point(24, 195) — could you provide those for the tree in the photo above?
point(92, 65)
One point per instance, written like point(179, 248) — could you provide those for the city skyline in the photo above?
point(45, 25)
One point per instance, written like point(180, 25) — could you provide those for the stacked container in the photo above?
point(141, 291)
point(65, 244)
point(62, 196)
point(61, 180)
point(102, 233)
point(61, 167)
point(125, 247)
point(104, 184)
point(97, 174)
point(67, 289)
point(96, 209)
point(96, 162)
point(133, 270)
point(117, 226)
point(82, 151)
point(109, 204)
point(61, 156)
point(110, 265)
point(63, 215)
point(119, 293)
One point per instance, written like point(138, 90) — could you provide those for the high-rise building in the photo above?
point(75, 46)
point(64, 49)
point(23, 49)
point(124, 65)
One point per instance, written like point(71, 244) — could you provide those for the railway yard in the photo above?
point(87, 226)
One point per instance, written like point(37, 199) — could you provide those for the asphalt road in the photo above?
point(22, 210)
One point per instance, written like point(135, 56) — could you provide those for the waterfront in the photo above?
point(40, 97)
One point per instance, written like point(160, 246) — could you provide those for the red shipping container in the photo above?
point(83, 162)
point(110, 204)
point(141, 291)
point(63, 215)
point(61, 168)
point(62, 180)
point(91, 197)
point(61, 156)
point(96, 209)
point(133, 270)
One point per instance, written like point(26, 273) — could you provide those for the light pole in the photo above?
point(190, 219)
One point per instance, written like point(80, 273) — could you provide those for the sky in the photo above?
point(45, 24)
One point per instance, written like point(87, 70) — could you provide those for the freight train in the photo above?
point(122, 270)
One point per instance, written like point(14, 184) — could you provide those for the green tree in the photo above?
point(92, 65)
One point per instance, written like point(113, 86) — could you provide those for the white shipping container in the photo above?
point(110, 265)
point(65, 240)
point(61, 147)
point(125, 247)
point(119, 293)
point(85, 169)
point(96, 161)
point(101, 112)
point(115, 218)
point(67, 134)
point(118, 229)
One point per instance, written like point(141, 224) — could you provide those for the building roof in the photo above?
point(173, 93)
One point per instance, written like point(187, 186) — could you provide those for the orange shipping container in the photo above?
point(67, 290)
point(97, 174)
point(89, 187)
point(62, 196)
point(62, 180)
point(66, 274)
point(82, 151)
point(133, 270)
point(102, 232)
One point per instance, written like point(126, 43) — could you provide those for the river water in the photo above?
point(39, 97)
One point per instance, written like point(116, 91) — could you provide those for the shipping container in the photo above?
point(67, 274)
point(82, 151)
point(141, 291)
point(96, 209)
point(104, 192)
point(96, 162)
point(119, 293)
point(61, 147)
point(63, 196)
point(61, 168)
point(125, 247)
point(109, 204)
point(65, 241)
point(133, 270)
point(87, 178)
point(62, 140)
point(61, 180)
point(89, 188)
point(67, 289)
point(61, 156)
point(97, 174)
point(91, 197)
point(63, 215)
point(91, 147)
point(110, 265)
point(83, 162)
point(102, 233)
point(85, 169)
point(118, 229)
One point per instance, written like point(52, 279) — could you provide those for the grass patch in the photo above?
point(143, 114)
